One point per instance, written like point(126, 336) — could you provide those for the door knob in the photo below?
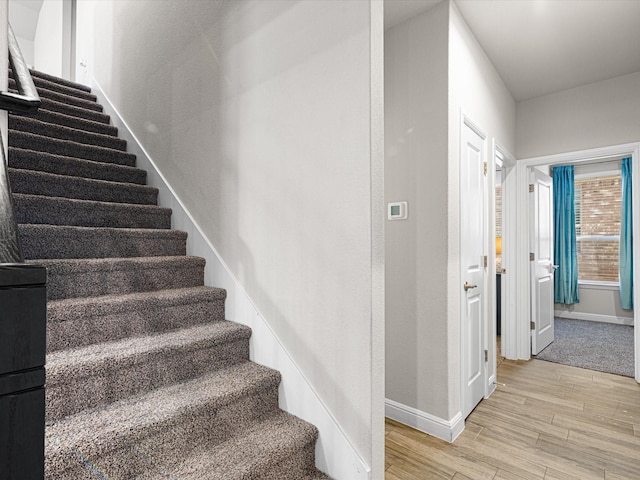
point(554, 267)
point(468, 286)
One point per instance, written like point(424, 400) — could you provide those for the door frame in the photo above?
point(509, 257)
point(519, 343)
point(465, 121)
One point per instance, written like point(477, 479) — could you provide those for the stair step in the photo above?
point(168, 422)
point(79, 112)
point(78, 322)
point(42, 83)
point(58, 241)
point(74, 167)
point(71, 100)
point(49, 184)
point(280, 447)
point(38, 209)
point(61, 81)
point(41, 143)
point(39, 127)
point(83, 124)
point(74, 278)
point(111, 371)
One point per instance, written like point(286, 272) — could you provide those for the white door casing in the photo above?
point(542, 267)
point(473, 270)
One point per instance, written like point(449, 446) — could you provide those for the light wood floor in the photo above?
point(544, 421)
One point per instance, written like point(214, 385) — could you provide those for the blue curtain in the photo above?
point(564, 238)
point(626, 238)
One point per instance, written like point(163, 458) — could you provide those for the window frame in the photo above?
point(597, 284)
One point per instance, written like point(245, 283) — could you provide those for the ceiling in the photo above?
point(545, 46)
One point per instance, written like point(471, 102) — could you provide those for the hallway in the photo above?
point(544, 421)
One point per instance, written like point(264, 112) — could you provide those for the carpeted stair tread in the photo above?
point(40, 143)
point(92, 277)
point(49, 184)
point(74, 111)
point(58, 80)
point(74, 167)
point(83, 124)
point(158, 415)
point(39, 127)
point(44, 84)
point(39, 209)
point(62, 241)
point(255, 454)
point(68, 148)
point(111, 371)
point(77, 322)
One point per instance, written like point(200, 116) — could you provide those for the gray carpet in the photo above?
point(603, 347)
point(145, 377)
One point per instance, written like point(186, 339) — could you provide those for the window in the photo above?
point(597, 202)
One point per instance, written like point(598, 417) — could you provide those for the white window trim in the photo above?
point(597, 285)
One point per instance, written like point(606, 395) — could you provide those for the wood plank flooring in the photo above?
point(544, 421)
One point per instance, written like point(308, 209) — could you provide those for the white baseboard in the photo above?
point(335, 454)
point(491, 385)
point(593, 317)
point(447, 430)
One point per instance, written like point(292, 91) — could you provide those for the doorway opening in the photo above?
point(593, 327)
point(522, 342)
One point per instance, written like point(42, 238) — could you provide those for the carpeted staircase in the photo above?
point(145, 377)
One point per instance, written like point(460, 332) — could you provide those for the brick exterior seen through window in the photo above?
point(598, 201)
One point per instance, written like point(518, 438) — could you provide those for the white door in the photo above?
point(472, 254)
point(542, 267)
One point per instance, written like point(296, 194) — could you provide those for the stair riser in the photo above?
point(294, 467)
point(108, 383)
point(62, 283)
point(73, 167)
point(67, 148)
point(57, 118)
point(97, 243)
point(82, 330)
point(79, 112)
point(126, 457)
point(44, 184)
point(38, 127)
point(33, 209)
point(42, 84)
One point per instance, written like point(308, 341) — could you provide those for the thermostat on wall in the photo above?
point(397, 211)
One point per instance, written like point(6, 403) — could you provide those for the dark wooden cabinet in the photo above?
point(23, 312)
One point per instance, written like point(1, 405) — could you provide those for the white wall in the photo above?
point(416, 67)
point(23, 17)
point(47, 44)
point(597, 304)
point(596, 115)
point(259, 115)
